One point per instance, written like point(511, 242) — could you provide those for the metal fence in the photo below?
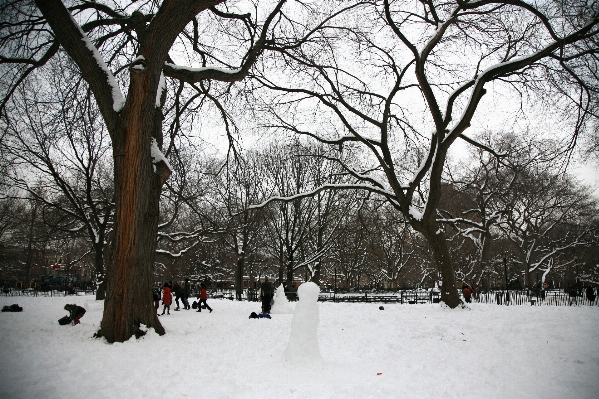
point(498, 297)
point(535, 298)
point(55, 291)
point(555, 297)
point(402, 296)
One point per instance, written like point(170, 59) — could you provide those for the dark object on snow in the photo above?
point(64, 320)
point(12, 308)
point(194, 305)
point(381, 308)
point(262, 315)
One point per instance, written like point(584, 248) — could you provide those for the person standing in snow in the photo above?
point(156, 297)
point(467, 292)
point(167, 298)
point(590, 293)
point(178, 290)
point(266, 294)
point(186, 294)
point(202, 299)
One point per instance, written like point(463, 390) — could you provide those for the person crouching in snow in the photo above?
point(76, 313)
point(167, 298)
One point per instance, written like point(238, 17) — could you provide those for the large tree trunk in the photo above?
point(130, 263)
point(441, 257)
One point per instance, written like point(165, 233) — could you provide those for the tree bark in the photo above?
point(129, 272)
point(441, 256)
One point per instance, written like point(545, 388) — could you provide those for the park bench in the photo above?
point(222, 295)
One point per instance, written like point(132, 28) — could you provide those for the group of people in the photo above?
point(181, 293)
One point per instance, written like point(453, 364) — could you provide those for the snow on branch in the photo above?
point(118, 100)
point(416, 213)
point(503, 69)
point(193, 75)
point(161, 165)
point(181, 236)
point(175, 254)
point(387, 194)
point(161, 90)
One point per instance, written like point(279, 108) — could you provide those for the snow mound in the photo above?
point(281, 305)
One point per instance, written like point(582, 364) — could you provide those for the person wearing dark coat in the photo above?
point(266, 294)
point(590, 294)
point(178, 291)
point(156, 297)
point(76, 313)
point(186, 294)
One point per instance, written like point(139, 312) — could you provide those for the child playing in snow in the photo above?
point(203, 296)
point(167, 298)
point(76, 313)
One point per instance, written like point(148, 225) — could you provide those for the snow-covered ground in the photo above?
point(403, 351)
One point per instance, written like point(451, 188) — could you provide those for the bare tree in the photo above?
point(60, 142)
point(545, 214)
point(288, 221)
point(135, 39)
point(470, 207)
point(405, 81)
point(239, 186)
point(392, 243)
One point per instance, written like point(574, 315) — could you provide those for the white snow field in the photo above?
point(403, 351)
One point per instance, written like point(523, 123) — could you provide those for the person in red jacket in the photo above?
point(203, 296)
point(467, 292)
point(167, 298)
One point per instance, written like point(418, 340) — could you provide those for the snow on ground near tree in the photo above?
point(422, 351)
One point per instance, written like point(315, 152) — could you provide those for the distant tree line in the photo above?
point(517, 213)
